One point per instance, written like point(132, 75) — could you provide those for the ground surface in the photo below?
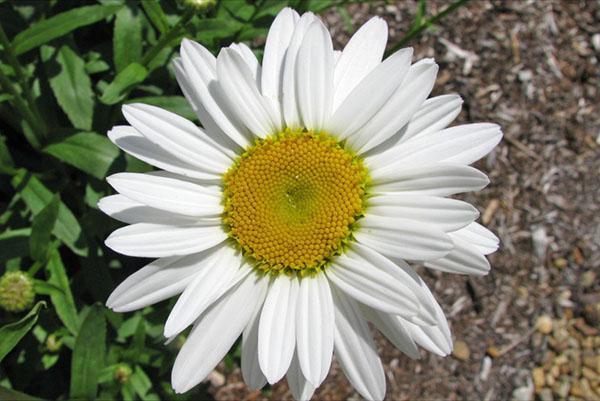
point(533, 68)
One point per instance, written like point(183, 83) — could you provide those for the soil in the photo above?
point(533, 68)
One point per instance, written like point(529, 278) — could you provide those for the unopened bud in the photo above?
point(53, 343)
point(123, 373)
point(200, 5)
point(16, 291)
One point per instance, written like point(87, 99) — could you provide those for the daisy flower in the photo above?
point(290, 216)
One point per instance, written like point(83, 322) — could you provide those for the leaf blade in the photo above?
point(71, 85)
point(132, 75)
point(127, 38)
point(63, 301)
point(89, 152)
point(88, 355)
point(59, 25)
point(12, 333)
point(35, 194)
point(41, 229)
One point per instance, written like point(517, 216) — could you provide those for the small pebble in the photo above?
point(524, 393)
point(461, 350)
point(544, 324)
point(546, 395)
point(588, 279)
point(539, 379)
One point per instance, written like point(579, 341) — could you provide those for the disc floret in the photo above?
point(292, 200)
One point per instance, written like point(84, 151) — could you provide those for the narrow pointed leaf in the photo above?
point(127, 37)
point(12, 333)
point(41, 229)
point(88, 355)
point(132, 75)
point(63, 301)
point(35, 194)
point(59, 25)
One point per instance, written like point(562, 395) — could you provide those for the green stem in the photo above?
point(416, 30)
point(12, 60)
point(21, 107)
point(166, 38)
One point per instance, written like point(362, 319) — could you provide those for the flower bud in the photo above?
point(16, 291)
point(123, 373)
point(53, 343)
point(200, 5)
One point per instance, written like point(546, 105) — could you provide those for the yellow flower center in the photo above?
point(291, 200)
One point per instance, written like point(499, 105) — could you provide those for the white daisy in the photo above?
point(289, 217)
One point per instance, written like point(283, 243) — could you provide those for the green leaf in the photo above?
point(63, 301)
point(70, 84)
point(12, 333)
point(127, 38)
point(14, 243)
point(44, 288)
point(41, 229)
point(87, 151)
point(7, 394)
point(132, 75)
point(140, 382)
point(88, 355)
point(156, 15)
point(59, 25)
point(6, 161)
point(175, 104)
point(35, 194)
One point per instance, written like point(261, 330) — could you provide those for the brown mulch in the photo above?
point(533, 68)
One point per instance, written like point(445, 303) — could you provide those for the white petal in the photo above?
point(463, 144)
point(355, 349)
point(276, 336)
point(434, 338)
point(276, 46)
point(245, 99)
point(406, 275)
point(435, 114)
point(315, 328)
point(215, 332)
point(371, 285)
point(377, 87)
point(463, 259)
point(403, 238)
point(250, 58)
point(129, 211)
point(200, 66)
point(178, 136)
point(221, 273)
point(301, 388)
point(169, 194)
point(314, 77)
point(158, 240)
point(209, 124)
point(392, 327)
point(399, 109)
point(448, 214)
point(478, 236)
point(131, 141)
point(289, 99)
point(439, 179)
point(361, 55)
point(157, 281)
point(251, 373)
